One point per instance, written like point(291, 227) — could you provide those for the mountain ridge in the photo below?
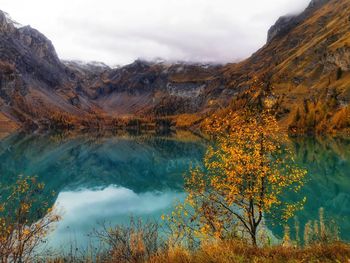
point(285, 23)
point(302, 70)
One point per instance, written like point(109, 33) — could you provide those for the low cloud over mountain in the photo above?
point(118, 32)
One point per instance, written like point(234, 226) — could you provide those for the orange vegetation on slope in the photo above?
point(307, 65)
point(6, 125)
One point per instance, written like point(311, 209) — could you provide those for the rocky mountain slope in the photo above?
point(306, 65)
point(38, 90)
point(34, 84)
point(302, 71)
point(143, 88)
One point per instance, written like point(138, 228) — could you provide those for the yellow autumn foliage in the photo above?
point(25, 220)
point(245, 173)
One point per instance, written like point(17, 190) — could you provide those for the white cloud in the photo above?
point(119, 31)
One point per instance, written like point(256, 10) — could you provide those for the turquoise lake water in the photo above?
point(108, 179)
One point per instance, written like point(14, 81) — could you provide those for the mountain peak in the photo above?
point(28, 37)
point(38, 43)
point(7, 23)
point(285, 23)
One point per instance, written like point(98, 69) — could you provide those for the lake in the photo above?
point(100, 179)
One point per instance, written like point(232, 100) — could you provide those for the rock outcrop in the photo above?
point(285, 23)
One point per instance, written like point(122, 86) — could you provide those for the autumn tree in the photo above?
point(244, 175)
point(25, 220)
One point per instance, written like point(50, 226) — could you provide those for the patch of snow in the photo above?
point(91, 65)
point(179, 69)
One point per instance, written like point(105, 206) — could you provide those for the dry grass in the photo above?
point(234, 251)
point(229, 252)
point(141, 243)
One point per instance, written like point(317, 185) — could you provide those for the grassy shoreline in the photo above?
point(230, 251)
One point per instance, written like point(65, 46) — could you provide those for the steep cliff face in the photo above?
point(147, 89)
point(31, 53)
point(34, 84)
point(158, 89)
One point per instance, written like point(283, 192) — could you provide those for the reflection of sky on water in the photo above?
point(82, 210)
point(149, 173)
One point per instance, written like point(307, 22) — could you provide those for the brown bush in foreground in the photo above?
point(134, 243)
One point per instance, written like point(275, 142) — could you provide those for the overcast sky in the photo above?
point(120, 31)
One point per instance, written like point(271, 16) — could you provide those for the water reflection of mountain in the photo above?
point(156, 164)
point(140, 164)
point(328, 181)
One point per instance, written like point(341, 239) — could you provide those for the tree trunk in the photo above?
point(253, 237)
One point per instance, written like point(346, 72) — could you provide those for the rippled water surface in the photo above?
point(98, 179)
